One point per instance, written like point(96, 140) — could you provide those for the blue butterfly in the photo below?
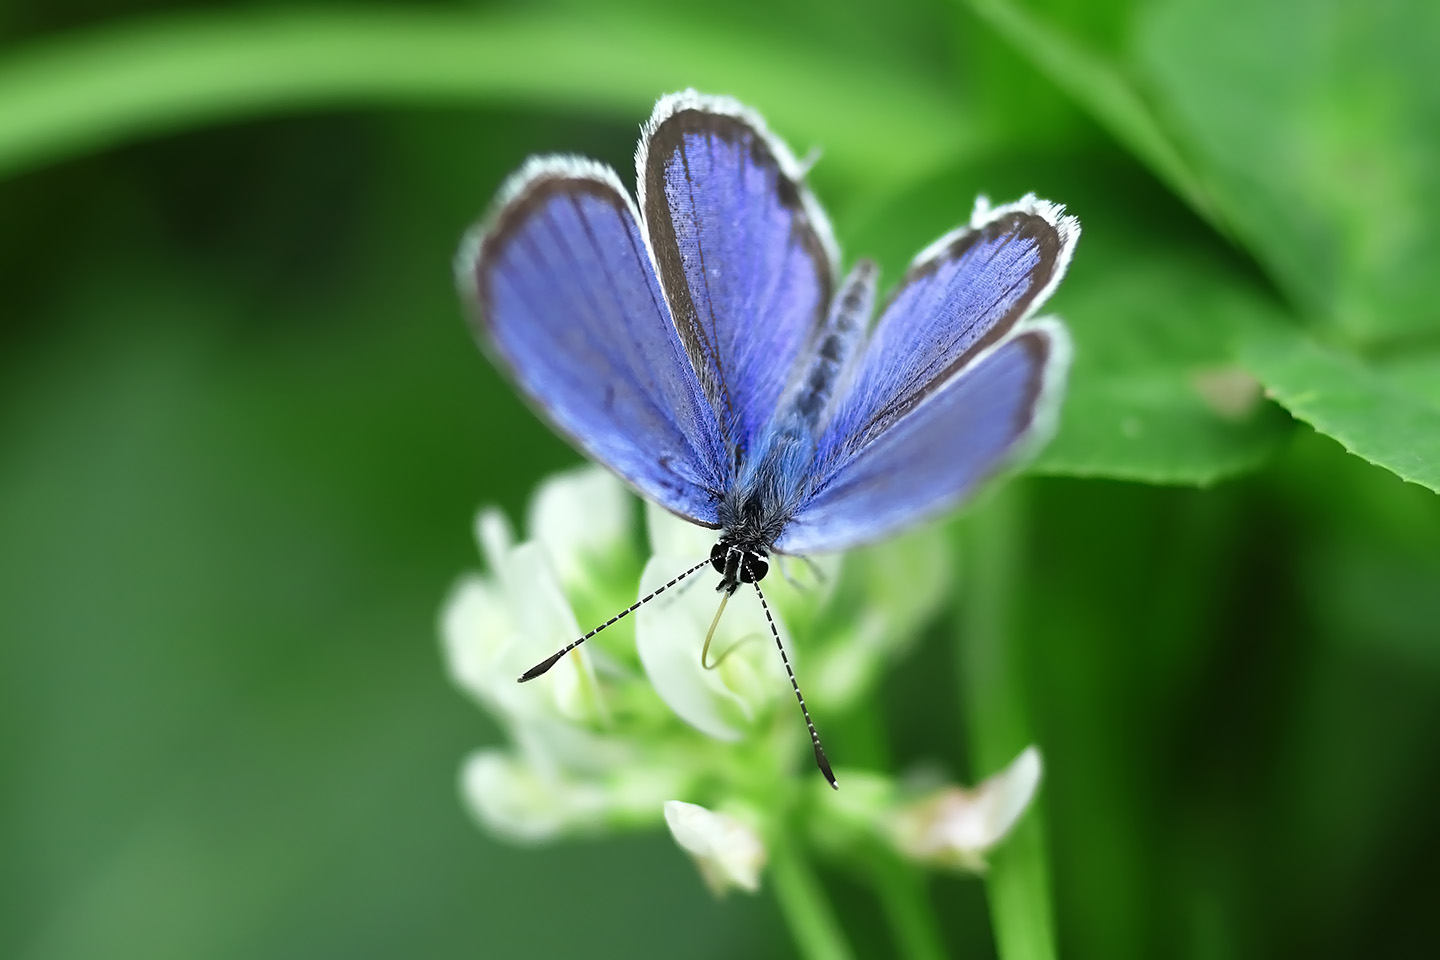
point(702, 345)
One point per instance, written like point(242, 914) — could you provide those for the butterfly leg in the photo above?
point(815, 571)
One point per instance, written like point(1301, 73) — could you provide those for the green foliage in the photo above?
point(113, 84)
point(1317, 124)
point(1387, 414)
point(1305, 130)
point(1154, 308)
point(243, 431)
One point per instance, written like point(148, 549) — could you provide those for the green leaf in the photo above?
point(1104, 89)
point(1319, 121)
point(1390, 417)
point(1154, 393)
point(84, 92)
point(1304, 128)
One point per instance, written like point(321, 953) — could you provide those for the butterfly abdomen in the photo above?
point(836, 345)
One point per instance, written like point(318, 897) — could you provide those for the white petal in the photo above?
point(672, 537)
point(496, 628)
point(582, 517)
point(669, 633)
point(520, 800)
point(545, 623)
point(728, 853)
point(509, 799)
point(494, 535)
point(955, 827)
point(1006, 795)
point(475, 626)
point(516, 802)
point(556, 746)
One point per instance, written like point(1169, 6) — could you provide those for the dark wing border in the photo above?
point(1056, 235)
point(509, 210)
point(690, 111)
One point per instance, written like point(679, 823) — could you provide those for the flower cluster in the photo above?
point(630, 729)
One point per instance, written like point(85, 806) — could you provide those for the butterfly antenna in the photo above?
point(820, 760)
point(550, 661)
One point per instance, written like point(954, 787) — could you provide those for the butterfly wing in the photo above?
point(984, 418)
point(563, 293)
point(745, 255)
point(953, 385)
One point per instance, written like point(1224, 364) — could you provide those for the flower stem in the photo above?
point(899, 885)
point(802, 902)
point(906, 901)
point(85, 90)
point(992, 680)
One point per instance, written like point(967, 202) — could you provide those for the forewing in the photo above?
point(983, 419)
point(745, 255)
point(961, 295)
point(565, 296)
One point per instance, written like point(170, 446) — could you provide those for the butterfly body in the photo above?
point(775, 477)
point(699, 344)
point(769, 488)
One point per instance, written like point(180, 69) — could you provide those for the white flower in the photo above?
point(519, 801)
point(583, 517)
point(729, 700)
point(954, 827)
point(727, 851)
point(611, 731)
point(859, 614)
point(568, 772)
point(495, 627)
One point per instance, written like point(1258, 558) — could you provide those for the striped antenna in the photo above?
point(550, 661)
point(814, 737)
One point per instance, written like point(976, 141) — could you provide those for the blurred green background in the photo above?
point(243, 431)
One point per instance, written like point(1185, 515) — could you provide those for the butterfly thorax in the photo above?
point(770, 486)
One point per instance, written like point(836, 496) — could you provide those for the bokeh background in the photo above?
point(243, 431)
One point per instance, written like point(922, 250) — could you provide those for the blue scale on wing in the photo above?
point(742, 258)
point(780, 463)
point(921, 423)
point(563, 290)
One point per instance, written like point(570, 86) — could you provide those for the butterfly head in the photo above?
point(738, 563)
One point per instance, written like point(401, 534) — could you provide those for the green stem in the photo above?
point(905, 899)
point(802, 902)
point(88, 90)
point(899, 886)
point(993, 682)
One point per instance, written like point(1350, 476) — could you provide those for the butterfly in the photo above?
point(701, 342)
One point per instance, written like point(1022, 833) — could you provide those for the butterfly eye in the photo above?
point(718, 554)
point(754, 568)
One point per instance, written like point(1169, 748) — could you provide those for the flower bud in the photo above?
point(728, 853)
point(745, 675)
point(954, 827)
